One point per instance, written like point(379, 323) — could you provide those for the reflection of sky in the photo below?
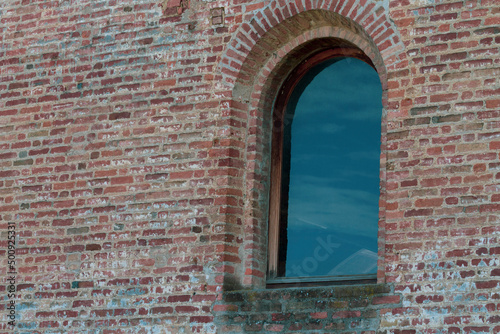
point(334, 174)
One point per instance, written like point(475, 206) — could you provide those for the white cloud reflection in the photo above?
point(343, 210)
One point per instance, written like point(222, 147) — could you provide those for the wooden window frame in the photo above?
point(277, 227)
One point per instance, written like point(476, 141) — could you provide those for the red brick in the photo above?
point(135, 155)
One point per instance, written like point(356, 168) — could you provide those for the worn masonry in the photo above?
point(135, 165)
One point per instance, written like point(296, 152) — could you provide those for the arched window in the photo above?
point(323, 219)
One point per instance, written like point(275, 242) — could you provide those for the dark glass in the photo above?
point(331, 154)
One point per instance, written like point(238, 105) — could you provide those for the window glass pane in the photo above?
point(332, 150)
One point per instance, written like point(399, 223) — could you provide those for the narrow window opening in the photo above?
point(325, 172)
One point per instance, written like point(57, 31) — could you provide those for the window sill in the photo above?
point(294, 282)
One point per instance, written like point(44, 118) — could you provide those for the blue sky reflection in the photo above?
point(334, 174)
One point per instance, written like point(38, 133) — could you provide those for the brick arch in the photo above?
point(266, 30)
point(260, 57)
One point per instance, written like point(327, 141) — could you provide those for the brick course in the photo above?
point(134, 162)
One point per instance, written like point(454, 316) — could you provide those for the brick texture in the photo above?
point(134, 163)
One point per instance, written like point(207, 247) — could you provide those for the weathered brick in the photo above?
point(134, 143)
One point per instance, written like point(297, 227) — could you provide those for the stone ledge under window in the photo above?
point(302, 310)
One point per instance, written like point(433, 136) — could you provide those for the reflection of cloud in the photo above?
point(334, 133)
point(303, 152)
point(310, 223)
point(328, 127)
point(363, 261)
point(359, 174)
point(343, 105)
point(348, 89)
point(364, 155)
point(298, 157)
point(345, 210)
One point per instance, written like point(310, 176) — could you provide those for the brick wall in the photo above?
point(134, 164)
point(339, 309)
point(442, 209)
